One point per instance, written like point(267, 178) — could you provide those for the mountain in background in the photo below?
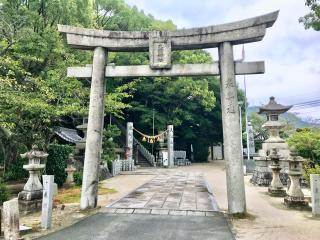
point(289, 117)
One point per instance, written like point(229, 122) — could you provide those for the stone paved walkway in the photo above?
point(174, 191)
point(173, 206)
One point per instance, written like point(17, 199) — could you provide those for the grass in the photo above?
point(72, 195)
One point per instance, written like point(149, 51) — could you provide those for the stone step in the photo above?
point(155, 211)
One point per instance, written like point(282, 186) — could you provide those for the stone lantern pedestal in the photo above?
point(295, 197)
point(30, 199)
point(276, 188)
point(70, 170)
point(70, 179)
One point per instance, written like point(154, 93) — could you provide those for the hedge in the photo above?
point(57, 162)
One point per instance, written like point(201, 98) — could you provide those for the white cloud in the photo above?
point(291, 53)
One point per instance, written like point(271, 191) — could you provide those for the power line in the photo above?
point(306, 103)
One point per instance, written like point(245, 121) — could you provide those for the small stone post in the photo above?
point(252, 149)
point(11, 220)
point(170, 146)
point(276, 188)
point(231, 131)
point(47, 201)
point(89, 192)
point(129, 140)
point(315, 194)
point(295, 196)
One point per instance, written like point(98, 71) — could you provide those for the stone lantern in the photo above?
point(30, 198)
point(295, 196)
point(70, 170)
point(276, 188)
point(81, 145)
point(262, 175)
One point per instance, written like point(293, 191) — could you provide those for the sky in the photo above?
point(291, 53)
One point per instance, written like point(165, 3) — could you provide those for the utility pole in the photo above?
point(240, 122)
point(246, 112)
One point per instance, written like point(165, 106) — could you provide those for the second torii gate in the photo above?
point(160, 44)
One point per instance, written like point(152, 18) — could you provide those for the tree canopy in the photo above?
point(36, 96)
point(312, 19)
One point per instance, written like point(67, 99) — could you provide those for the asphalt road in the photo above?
point(146, 227)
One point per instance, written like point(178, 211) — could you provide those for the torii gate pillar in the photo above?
point(231, 131)
point(92, 157)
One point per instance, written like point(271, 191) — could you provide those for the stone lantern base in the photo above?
point(29, 206)
point(30, 202)
point(276, 191)
point(296, 202)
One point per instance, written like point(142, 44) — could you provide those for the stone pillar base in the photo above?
point(27, 207)
point(277, 192)
point(296, 202)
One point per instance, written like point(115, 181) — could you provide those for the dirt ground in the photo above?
point(270, 218)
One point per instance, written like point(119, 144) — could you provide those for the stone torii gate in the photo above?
point(160, 44)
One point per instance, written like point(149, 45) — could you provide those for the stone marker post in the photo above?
point(170, 146)
point(11, 220)
point(47, 201)
point(129, 140)
point(231, 131)
point(89, 192)
point(252, 149)
point(315, 194)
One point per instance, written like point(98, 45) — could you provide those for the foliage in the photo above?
point(77, 176)
point(260, 133)
point(36, 95)
point(307, 143)
point(4, 192)
point(108, 145)
point(57, 162)
point(310, 168)
point(312, 19)
point(16, 171)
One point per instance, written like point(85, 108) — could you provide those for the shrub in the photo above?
point(307, 143)
point(109, 164)
point(57, 162)
point(108, 144)
point(4, 192)
point(308, 169)
point(16, 171)
point(77, 176)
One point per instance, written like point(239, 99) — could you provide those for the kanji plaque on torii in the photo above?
point(160, 44)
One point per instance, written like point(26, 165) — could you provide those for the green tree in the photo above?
point(307, 143)
point(312, 19)
point(35, 94)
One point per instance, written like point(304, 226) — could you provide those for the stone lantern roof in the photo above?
point(273, 107)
